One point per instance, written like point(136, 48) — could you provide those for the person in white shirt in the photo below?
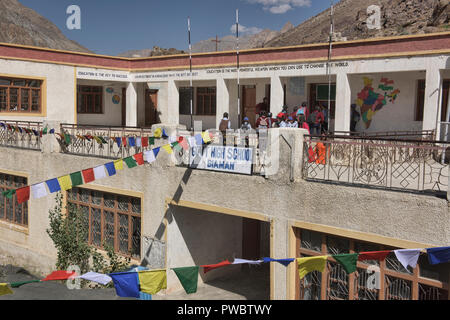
point(291, 123)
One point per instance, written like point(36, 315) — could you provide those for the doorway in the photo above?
point(249, 104)
point(151, 107)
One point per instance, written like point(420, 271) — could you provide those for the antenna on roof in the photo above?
point(329, 65)
point(190, 70)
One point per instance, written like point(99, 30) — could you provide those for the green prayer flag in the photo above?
point(188, 277)
point(348, 261)
point(9, 193)
point(131, 163)
point(21, 283)
point(44, 131)
point(151, 140)
point(67, 138)
point(103, 140)
point(76, 178)
point(176, 147)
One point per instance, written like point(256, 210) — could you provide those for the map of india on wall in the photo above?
point(370, 101)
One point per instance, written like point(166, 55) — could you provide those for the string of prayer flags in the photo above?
point(65, 182)
point(99, 172)
point(408, 257)
point(103, 279)
point(118, 164)
point(21, 283)
point(242, 261)
point(126, 284)
point(53, 185)
point(130, 162)
point(152, 281)
point(209, 267)
point(309, 264)
point(139, 157)
point(110, 168)
point(284, 262)
point(188, 277)
point(347, 260)
point(438, 255)
point(38, 190)
point(60, 275)
point(23, 194)
point(88, 175)
point(5, 289)
point(373, 255)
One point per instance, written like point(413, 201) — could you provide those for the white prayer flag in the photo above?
point(99, 172)
point(38, 190)
point(192, 141)
point(103, 279)
point(241, 261)
point(138, 142)
point(149, 156)
point(408, 257)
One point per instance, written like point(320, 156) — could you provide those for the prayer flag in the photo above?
point(348, 261)
point(188, 277)
point(4, 289)
point(44, 131)
point(131, 163)
point(198, 139)
point(103, 139)
point(126, 284)
point(408, 257)
point(183, 143)
point(144, 141)
point(99, 141)
point(284, 262)
point(139, 157)
point(164, 135)
point(99, 172)
point(60, 275)
point(23, 194)
point(53, 185)
point(138, 142)
point(307, 265)
point(65, 182)
point(156, 151)
point(9, 193)
point(38, 190)
point(157, 133)
point(438, 255)
point(176, 146)
point(88, 175)
point(168, 148)
point(118, 164)
point(118, 141)
point(131, 142)
point(152, 281)
point(151, 140)
point(209, 267)
point(21, 283)
point(373, 255)
point(242, 261)
point(206, 138)
point(52, 131)
point(77, 178)
point(110, 168)
point(124, 141)
point(103, 279)
point(67, 138)
point(172, 139)
point(149, 156)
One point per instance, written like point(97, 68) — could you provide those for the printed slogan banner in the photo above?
point(222, 158)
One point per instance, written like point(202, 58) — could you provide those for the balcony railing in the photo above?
point(20, 134)
point(407, 165)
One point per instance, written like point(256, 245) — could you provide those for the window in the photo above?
point(425, 282)
point(185, 100)
point(10, 210)
point(20, 95)
point(206, 101)
point(90, 99)
point(113, 219)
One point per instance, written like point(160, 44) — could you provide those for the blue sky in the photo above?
point(113, 26)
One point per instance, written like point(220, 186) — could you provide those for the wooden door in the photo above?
point(251, 236)
point(151, 107)
point(124, 107)
point(249, 104)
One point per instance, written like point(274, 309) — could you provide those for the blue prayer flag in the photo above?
point(119, 141)
point(53, 185)
point(110, 168)
point(438, 255)
point(131, 142)
point(156, 151)
point(164, 135)
point(126, 284)
point(198, 139)
point(52, 130)
point(284, 262)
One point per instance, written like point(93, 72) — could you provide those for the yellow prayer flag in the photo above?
point(118, 164)
point(152, 281)
point(158, 133)
point(306, 265)
point(206, 137)
point(65, 182)
point(168, 148)
point(4, 289)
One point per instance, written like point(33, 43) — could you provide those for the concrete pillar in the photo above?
point(131, 111)
point(343, 102)
point(172, 115)
point(432, 103)
point(223, 100)
point(276, 95)
point(260, 90)
point(279, 250)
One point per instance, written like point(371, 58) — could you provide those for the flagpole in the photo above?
point(329, 66)
point(190, 70)
point(237, 60)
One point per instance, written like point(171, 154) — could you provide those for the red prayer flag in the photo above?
point(60, 275)
point(373, 255)
point(23, 194)
point(209, 267)
point(139, 157)
point(144, 141)
point(124, 141)
point(183, 143)
point(88, 175)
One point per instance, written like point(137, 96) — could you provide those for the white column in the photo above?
point(343, 103)
point(131, 110)
point(276, 95)
point(172, 111)
point(433, 93)
point(260, 90)
point(223, 100)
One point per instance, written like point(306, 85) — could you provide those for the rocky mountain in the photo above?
point(398, 17)
point(156, 51)
point(22, 25)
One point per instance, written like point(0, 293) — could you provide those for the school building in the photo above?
point(371, 194)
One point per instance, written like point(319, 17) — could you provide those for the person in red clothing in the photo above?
point(262, 106)
point(316, 118)
point(294, 113)
point(303, 109)
point(263, 121)
point(302, 122)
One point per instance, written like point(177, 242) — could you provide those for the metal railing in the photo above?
point(396, 135)
point(20, 134)
point(407, 165)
